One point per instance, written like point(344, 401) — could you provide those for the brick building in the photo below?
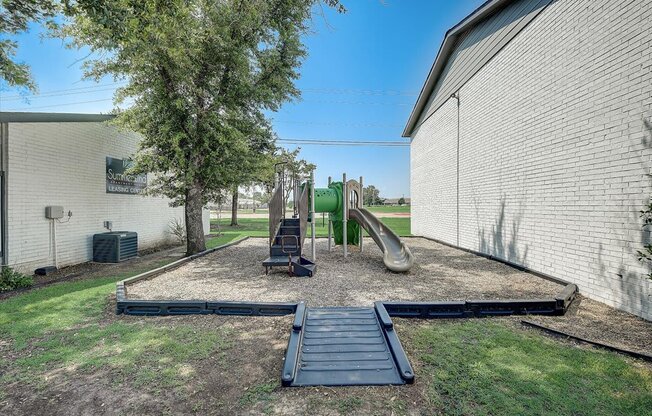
point(536, 121)
point(74, 161)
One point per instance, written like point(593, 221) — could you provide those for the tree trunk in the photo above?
point(234, 207)
point(195, 241)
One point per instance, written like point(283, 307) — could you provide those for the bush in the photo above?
point(177, 229)
point(11, 279)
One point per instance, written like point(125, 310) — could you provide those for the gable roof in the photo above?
point(23, 117)
point(467, 47)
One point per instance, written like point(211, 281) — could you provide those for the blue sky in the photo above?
point(364, 71)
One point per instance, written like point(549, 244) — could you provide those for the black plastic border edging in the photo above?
point(631, 353)
point(292, 354)
point(483, 308)
point(198, 307)
point(400, 358)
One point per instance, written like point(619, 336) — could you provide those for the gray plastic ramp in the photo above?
point(344, 347)
point(396, 255)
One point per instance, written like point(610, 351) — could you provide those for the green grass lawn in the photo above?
point(389, 208)
point(258, 227)
point(480, 367)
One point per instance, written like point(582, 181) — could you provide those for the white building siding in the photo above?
point(555, 143)
point(64, 164)
point(436, 198)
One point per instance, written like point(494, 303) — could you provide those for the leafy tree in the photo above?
point(371, 196)
point(250, 169)
point(15, 16)
point(295, 167)
point(401, 201)
point(200, 75)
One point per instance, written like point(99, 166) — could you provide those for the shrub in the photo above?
point(11, 279)
point(177, 229)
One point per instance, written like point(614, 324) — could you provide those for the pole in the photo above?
point(295, 190)
point(281, 180)
point(344, 211)
point(361, 204)
point(330, 221)
point(312, 215)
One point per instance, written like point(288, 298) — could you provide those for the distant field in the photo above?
point(258, 227)
point(374, 208)
point(244, 211)
point(388, 208)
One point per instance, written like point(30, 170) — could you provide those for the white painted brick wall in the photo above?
point(554, 151)
point(64, 164)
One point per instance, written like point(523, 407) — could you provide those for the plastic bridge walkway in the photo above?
point(341, 346)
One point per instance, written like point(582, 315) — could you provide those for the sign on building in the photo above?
point(118, 182)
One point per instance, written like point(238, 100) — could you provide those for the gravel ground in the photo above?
point(440, 273)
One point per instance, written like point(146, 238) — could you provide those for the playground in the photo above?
point(342, 301)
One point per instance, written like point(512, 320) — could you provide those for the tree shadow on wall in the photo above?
point(632, 276)
point(503, 242)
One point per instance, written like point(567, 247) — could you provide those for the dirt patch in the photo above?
point(596, 321)
point(440, 273)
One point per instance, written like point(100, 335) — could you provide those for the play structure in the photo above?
point(337, 346)
point(347, 218)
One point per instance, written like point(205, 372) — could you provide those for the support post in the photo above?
point(330, 222)
point(361, 205)
point(345, 208)
point(295, 187)
point(312, 215)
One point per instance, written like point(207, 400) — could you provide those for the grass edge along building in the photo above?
point(531, 142)
point(73, 163)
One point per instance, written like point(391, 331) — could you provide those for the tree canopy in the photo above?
point(201, 74)
point(15, 16)
point(371, 196)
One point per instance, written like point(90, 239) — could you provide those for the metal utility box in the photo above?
point(115, 246)
point(53, 212)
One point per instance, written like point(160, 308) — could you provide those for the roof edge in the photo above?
point(451, 36)
point(27, 117)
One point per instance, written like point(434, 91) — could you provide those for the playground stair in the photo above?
point(286, 247)
point(343, 346)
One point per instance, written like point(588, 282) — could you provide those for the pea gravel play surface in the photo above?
point(440, 273)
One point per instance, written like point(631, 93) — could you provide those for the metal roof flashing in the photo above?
point(27, 117)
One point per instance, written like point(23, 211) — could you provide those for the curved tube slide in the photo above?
point(396, 255)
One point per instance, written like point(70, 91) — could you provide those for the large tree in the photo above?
point(200, 75)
